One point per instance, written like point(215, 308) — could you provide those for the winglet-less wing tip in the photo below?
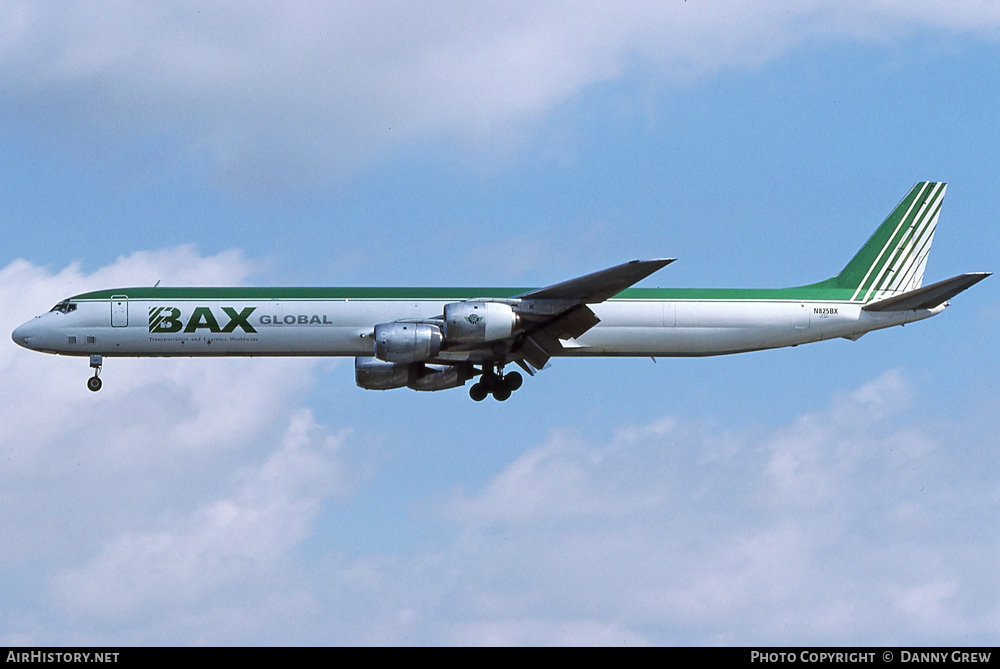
point(601, 285)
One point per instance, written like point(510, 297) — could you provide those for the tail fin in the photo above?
point(893, 260)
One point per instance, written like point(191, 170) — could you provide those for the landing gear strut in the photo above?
point(94, 382)
point(497, 383)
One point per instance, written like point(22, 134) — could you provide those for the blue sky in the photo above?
point(830, 494)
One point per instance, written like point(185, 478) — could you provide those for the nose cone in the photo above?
point(22, 334)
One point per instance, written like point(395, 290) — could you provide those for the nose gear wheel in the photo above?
point(94, 383)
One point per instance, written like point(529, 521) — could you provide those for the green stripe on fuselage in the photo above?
point(815, 292)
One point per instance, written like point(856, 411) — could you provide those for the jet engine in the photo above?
point(474, 322)
point(407, 342)
point(441, 377)
point(375, 374)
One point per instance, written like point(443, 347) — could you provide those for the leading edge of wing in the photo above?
point(599, 286)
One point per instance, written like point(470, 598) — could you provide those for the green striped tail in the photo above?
point(893, 260)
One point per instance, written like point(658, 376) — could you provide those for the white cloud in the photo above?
point(544, 633)
point(298, 92)
point(182, 404)
point(684, 533)
point(181, 481)
point(233, 541)
point(931, 605)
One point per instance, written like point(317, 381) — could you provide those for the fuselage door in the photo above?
point(802, 317)
point(119, 311)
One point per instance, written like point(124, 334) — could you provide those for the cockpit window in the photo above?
point(64, 307)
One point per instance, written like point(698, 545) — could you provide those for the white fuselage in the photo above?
point(343, 327)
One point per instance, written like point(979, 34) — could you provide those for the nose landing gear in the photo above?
point(497, 383)
point(94, 383)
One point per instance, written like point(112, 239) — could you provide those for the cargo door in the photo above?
point(119, 311)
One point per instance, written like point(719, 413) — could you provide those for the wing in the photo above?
point(558, 313)
point(599, 286)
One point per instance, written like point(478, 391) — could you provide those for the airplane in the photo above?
point(439, 338)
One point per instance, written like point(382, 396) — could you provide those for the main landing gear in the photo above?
point(94, 382)
point(497, 383)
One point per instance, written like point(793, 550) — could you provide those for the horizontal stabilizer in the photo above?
point(930, 296)
point(599, 286)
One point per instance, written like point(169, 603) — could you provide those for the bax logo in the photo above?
point(168, 319)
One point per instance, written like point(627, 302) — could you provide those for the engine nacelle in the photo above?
point(440, 377)
point(407, 342)
point(474, 322)
point(375, 374)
